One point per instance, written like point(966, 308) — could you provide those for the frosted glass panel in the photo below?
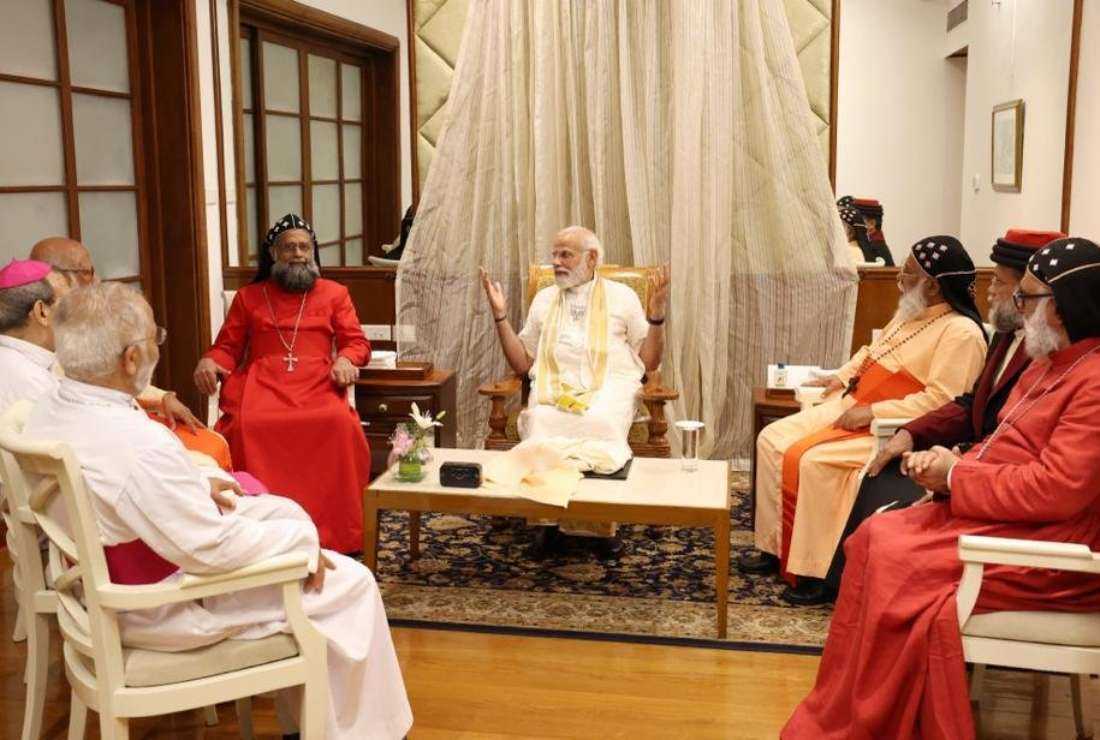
point(330, 256)
point(108, 227)
point(26, 39)
point(350, 83)
point(284, 148)
point(353, 152)
point(104, 148)
point(30, 141)
point(28, 217)
point(353, 253)
point(326, 212)
point(280, 77)
point(97, 44)
point(281, 200)
point(246, 73)
point(323, 154)
point(251, 219)
point(322, 87)
point(353, 209)
point(249, 148)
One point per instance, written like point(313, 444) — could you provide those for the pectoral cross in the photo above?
point(290, 360)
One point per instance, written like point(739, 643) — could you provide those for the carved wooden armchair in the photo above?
point(648, 437)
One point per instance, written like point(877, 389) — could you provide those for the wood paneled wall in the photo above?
point(878, 299)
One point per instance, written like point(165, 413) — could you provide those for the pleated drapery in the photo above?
point(679, 131)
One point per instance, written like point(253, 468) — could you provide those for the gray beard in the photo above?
point(911, 304)
point(143, 378)
point(579, 275)
point(1040, 339)
point(1004, 316)
point(295, 278)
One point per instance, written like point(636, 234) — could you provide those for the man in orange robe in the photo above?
point(808, 466)
point(286, 355)
point(893, 662)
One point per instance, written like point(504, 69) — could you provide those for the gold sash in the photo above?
point(551, 390)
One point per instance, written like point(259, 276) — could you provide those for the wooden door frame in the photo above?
point(171, 121)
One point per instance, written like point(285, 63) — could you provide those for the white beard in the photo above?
point(911, 304)
point(579, 275)
point(143, 378)
point(1040, 338)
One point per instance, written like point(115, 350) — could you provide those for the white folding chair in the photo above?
point(120, 682)
point(1058, 642)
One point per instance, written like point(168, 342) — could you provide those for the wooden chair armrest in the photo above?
point(887, 427)
point(505, 388)
point(975, 551)
point(280, 569)
point(655, 392)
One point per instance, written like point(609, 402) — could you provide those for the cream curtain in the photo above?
point(680, 132)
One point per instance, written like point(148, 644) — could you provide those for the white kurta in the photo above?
point(610, 413)
point(25, 371)
point(144, 486)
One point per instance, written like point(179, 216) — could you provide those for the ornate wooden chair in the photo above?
point(648, 436)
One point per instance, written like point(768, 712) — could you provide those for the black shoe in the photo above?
point(757, 562)
point(808, 592)
point(292, 736)
point(547, 542)
point(500, 523)
point(609, 548)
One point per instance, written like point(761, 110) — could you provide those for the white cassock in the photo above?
point(25, 371)
point(605, 425)
point(144, 486)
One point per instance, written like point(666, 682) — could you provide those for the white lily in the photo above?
point(424, 420)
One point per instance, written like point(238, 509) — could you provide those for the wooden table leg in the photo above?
point(370, 531)
point(414, 535)
point(722, 569)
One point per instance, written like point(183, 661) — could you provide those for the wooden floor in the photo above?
point(471, 685)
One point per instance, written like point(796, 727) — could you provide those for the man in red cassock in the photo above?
point(893, 662)
point(286, 354)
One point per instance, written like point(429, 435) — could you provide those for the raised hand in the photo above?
point(498, 304)
point(659, 283)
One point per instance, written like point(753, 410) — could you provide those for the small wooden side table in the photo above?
point(765, 410)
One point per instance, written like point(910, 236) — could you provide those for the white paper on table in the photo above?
point(535, 472)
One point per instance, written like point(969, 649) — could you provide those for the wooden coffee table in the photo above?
point(656, 492)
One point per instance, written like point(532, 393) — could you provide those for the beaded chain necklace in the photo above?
point(870, 360)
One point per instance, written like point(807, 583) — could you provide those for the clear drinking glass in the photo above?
point(690, 432)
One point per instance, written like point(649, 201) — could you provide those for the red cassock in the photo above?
point(893, 663)
point(294, 429)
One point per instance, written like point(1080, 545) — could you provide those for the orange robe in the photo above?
point(893, 662)
point(936, 365)
point(293, 429)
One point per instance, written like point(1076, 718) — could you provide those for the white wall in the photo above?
point(1085, 203)
point(1019, 49)
point(913, 126)
point(388, 16)
point(898, 105)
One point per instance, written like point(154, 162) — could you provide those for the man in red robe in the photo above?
point(893, 663)
point(286, 355)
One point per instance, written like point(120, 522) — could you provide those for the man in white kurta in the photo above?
point(586, 344)
point(146, 490)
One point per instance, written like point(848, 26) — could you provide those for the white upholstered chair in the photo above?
point(1058, 642)
point(120, 682)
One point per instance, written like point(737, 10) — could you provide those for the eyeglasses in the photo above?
point(159, 336)
point(1020, 299)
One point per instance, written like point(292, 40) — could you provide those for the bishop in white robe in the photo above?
point(157, 520)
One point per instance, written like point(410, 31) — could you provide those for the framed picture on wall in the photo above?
point(1008, 146)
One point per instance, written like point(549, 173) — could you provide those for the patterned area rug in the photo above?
point(660, 588)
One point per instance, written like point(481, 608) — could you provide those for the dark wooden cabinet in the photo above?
point(383, 404)
point(765, 410)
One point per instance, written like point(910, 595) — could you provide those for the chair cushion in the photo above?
point(639, 430)
point(1050, 628)
point(157, 668)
